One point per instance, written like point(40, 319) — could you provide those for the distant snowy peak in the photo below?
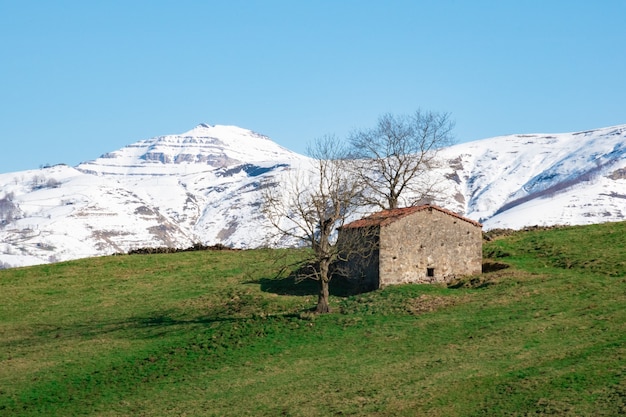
point(500, 173)
point(241, 144)
point(202, 148)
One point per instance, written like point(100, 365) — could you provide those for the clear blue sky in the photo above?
point(81, 78)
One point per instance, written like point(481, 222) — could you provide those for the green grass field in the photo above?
point(220, 334)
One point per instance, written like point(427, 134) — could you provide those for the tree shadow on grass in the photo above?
point(291, 285)
point(157, 325)
point(164, 322)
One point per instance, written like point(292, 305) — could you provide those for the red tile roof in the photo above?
point(385, 217)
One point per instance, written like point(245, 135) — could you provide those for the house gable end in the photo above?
point(429, 246)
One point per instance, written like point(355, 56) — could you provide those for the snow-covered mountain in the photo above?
point(543, 179)
point(204, 148)
point(204, 186)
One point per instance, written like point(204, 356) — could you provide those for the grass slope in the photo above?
point(217, 333)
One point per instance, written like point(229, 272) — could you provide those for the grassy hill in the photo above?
point(218, 333)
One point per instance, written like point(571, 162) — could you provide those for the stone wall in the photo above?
point(429, 246)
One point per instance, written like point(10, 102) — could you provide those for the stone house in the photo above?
point(421, 244)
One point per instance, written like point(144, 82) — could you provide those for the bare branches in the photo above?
point(313, 203)
point(393, 158)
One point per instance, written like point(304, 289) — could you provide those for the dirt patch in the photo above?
point(492, 266)
point(427, 303)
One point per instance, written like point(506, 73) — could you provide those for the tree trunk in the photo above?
point(392, 202)
point(322, 299)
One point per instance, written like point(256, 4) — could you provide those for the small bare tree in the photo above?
point(9, 210)
point(313, 205)
point(393, 159)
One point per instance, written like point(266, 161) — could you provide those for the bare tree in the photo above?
point(312, 205)
point(9, 210)
point(393, 159)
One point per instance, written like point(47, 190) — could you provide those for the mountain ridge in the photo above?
point(203, 186)
point(511, 171)
point(201, 148)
